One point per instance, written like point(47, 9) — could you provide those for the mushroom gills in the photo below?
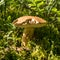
point(32, 25)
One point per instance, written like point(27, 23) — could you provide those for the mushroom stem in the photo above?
point(27, 35)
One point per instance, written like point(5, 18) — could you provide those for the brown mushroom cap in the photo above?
point(29, 21)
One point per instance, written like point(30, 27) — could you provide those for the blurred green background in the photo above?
point(45, 44)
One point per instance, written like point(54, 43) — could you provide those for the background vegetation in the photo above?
point(45, 44)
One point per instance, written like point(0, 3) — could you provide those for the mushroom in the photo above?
point(28, 23)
